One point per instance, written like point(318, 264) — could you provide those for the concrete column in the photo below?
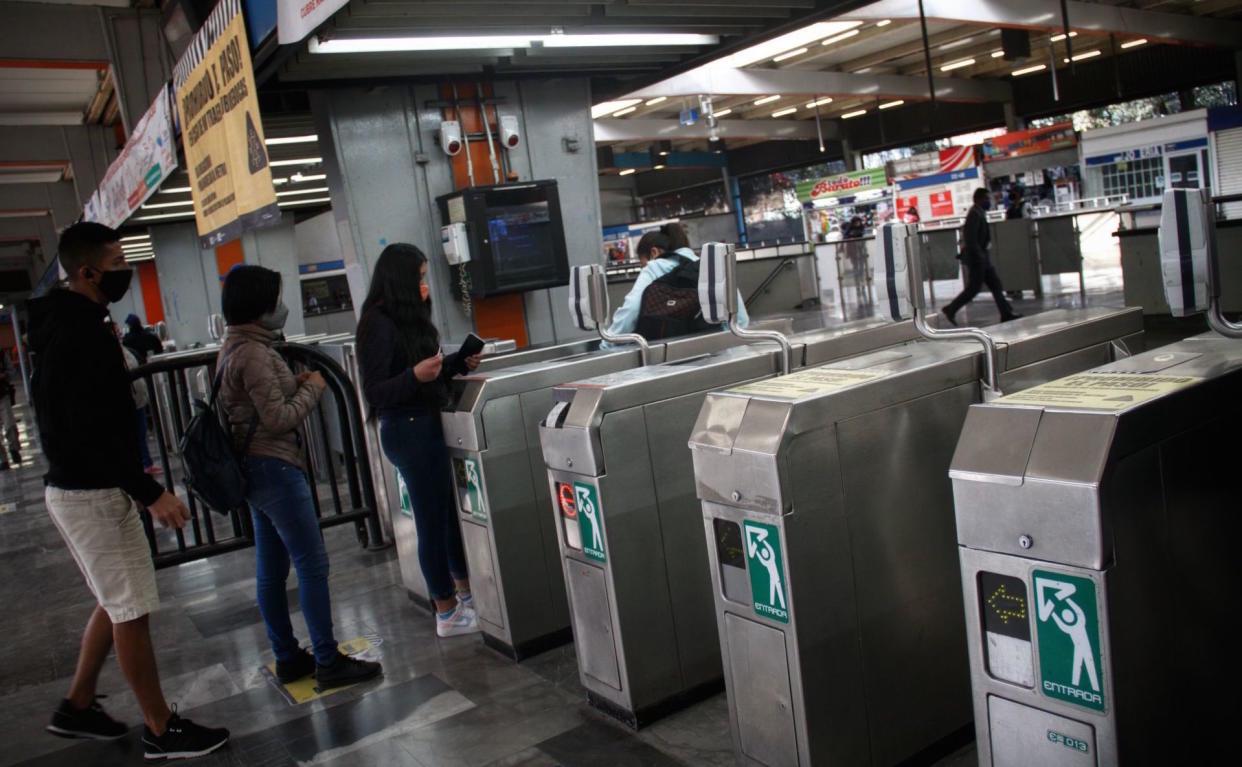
point(189, 282)
point(848, 154)
point(141, 63)
point(385, 171)
point(1012, 121)
point(274, 247)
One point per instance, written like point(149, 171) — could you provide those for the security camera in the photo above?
point(450, 137)
point(510, 136)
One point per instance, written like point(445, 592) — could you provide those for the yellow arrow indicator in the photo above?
point(1007, 606)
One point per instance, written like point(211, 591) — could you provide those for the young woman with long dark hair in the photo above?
point(405, 379)
point(266, 406)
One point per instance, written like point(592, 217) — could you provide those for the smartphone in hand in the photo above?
point(471, 346)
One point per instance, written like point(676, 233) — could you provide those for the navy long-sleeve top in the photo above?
point(388, 382)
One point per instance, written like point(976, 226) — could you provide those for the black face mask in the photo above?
point(114, 283)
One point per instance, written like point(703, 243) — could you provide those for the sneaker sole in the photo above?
point(175, 755)
point(348, 682)
point(61, 732)
point(457, 632)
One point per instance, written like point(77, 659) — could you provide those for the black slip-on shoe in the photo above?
point(182, 739)
point(90, 722)
point(300, 666)
point(346, 671)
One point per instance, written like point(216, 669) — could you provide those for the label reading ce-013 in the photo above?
point(1099, 391)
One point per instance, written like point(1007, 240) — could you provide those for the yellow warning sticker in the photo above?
point(1100, 391)
point(5, 508)
point(808, 383)
point(304, 690)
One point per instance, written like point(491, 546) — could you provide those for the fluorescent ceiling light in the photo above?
point(884, 23)
point(488, 42)
point(291, 192)
point(140, 260)
point(625, 111)
point(175, 189)
point(766, 100)
point(723, 112)
point(283, 163)
point(658, 167)
point(997, 54)
point(790, 54)
point(1060, 37)
point(606, 108)
point(287, 203)
point(140, 256)
point(624, 40)
point(783, 112)
point(139, 251)
point(298, 178)
point(955, 44)
point(855, 113)
point(1029, 70)
point(820, 102)
point(134, 237)
point(178, 204)
point(957, 65)
point(1135, 43)
point(840, 37)
point(656, 100)
point(862, 71)
point(279, 181)
point(1085, 55)
point(786, 42)
point(892, 104)
point(308, 139)
point(165, 215)
point(626, 172)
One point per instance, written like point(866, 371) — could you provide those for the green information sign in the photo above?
point(1068, 626)
point(471, 486)
point(403, 496)
point(767, 571)
point(586, 499)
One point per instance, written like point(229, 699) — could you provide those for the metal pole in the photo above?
point(741, 332)
point(1052, 68)
point(487, 130)
point(931, 82)
point(21, 356)
point(465, 136)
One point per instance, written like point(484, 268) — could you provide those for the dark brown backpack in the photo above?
point(670, 305)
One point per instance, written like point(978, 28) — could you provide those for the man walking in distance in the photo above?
point(975, 255)
point(88, 428)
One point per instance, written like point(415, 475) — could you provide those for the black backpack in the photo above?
point(214, 471)
point(670, 305)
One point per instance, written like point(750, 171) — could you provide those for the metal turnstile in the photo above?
point(622, 493)
point(831, 549)
point(492, 431)
point(1097, 518)
point(391, 495)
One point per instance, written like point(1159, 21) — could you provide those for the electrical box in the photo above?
point(512, 235)
point(455, 242)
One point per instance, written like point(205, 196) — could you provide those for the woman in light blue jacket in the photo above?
point(658, 253)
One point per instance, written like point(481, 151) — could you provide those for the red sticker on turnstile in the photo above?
point(565, 496)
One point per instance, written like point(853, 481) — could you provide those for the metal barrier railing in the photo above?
point(208, 534)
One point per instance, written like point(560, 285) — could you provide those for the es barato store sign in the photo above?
point(230, 179)
point(842, 185)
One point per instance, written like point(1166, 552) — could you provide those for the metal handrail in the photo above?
point(203, 536)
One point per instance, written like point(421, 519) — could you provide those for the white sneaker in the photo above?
point(463, 620)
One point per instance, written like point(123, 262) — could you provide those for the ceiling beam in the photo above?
point(758, 82)
point(620, 129)
point(1083, 17)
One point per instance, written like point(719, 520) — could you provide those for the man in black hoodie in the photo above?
point(88, 428)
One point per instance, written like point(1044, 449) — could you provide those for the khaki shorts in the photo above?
point(105, 536)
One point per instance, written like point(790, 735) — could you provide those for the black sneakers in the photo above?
point(182, 739)
point(300, 666)
point(346, 671)
point(949, 317)
point(90, 722)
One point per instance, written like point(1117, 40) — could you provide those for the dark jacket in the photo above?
point(88, 425)
point(258, 381)
point(143, 343)
point(388, 382)
point(976, 236)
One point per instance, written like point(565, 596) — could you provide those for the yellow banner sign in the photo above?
point(1099, 391)
point(230, 179)
point(807, 383)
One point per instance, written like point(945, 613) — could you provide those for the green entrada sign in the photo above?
point(586, 500)
point(1068, 626)
point(403, 495)
point(468, 479)
point(767, 572)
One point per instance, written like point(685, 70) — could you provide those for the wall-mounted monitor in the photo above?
point(515, 234)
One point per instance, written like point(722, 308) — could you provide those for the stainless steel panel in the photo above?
point(759, 689)
point(478, 549)
point(593, 634)
point(1059, 249)
point(1013, 254)
point(1027, 737)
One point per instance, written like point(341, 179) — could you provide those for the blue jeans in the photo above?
point(285, 527)
point(143, 449)
point(415, 445)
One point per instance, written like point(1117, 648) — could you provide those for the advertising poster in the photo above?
point(148, 158)
point(846, 184)
point(225, 154)
point(1029, 142)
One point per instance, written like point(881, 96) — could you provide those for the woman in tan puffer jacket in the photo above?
point(266, 406)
